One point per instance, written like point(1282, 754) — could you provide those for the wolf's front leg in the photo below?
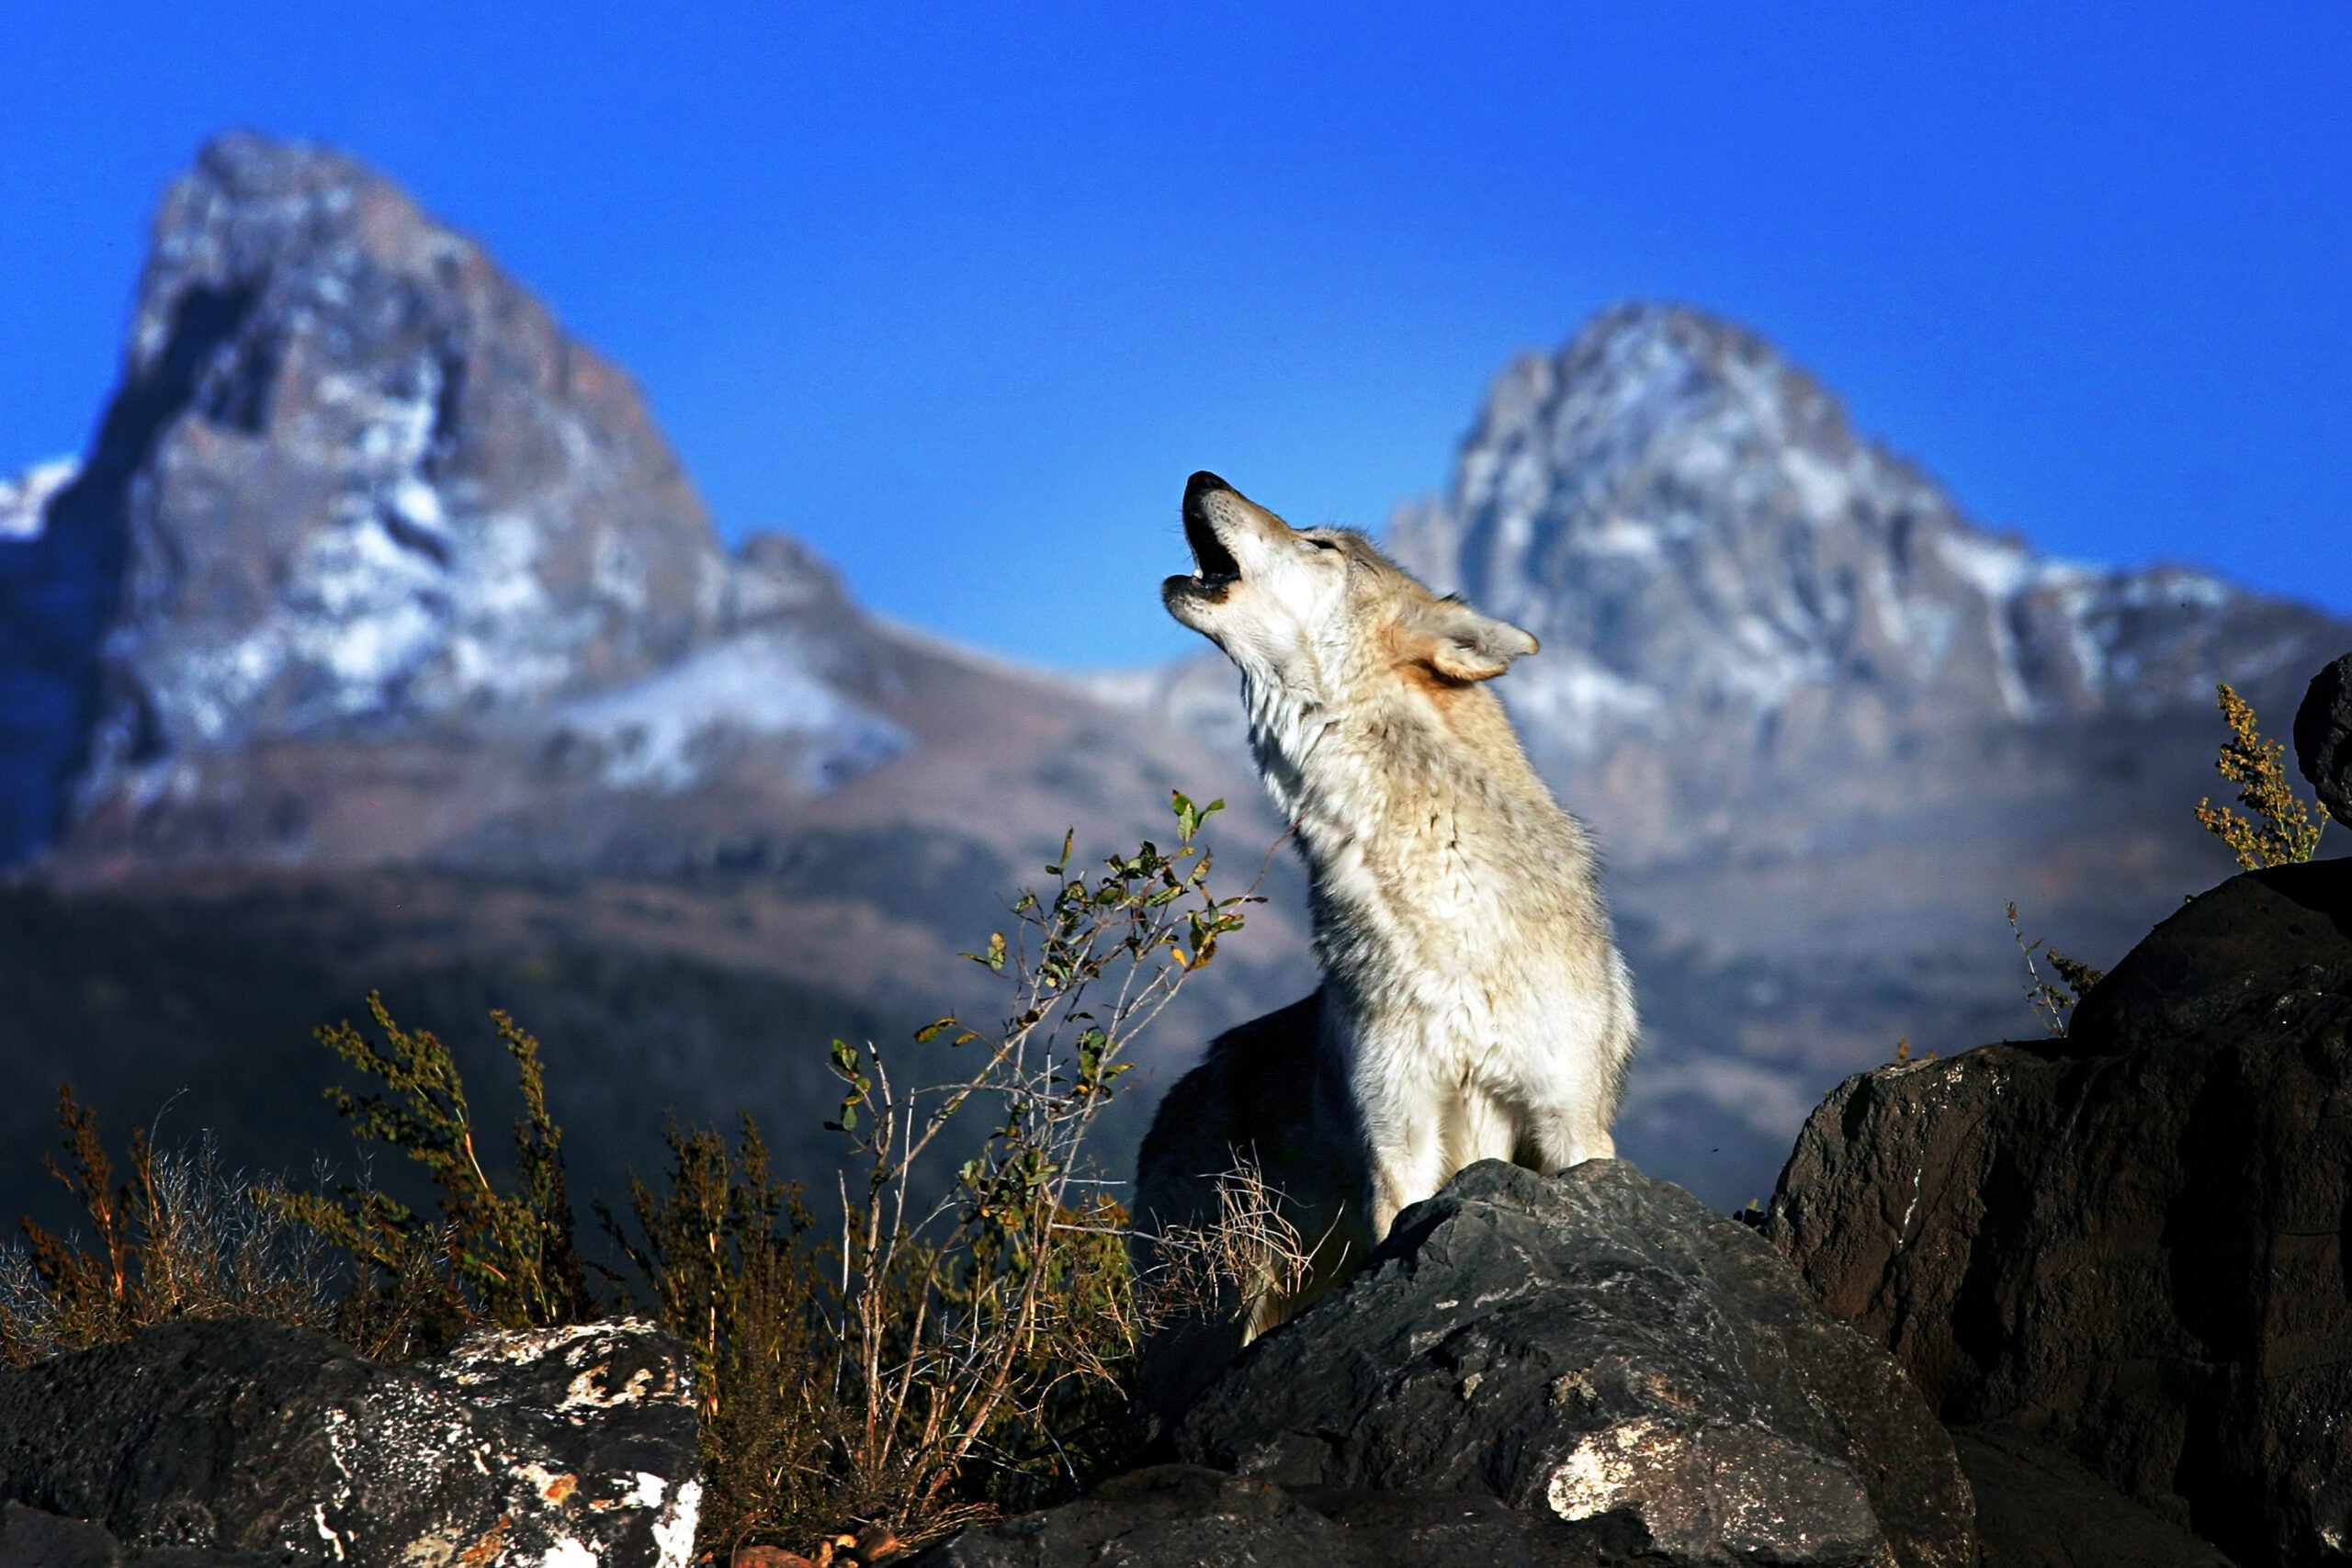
point(1407, 1164)
point(1570, 1135)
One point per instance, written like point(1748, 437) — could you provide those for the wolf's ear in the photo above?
point(1460, 644)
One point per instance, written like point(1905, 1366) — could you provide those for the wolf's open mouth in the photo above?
point(1214, 565)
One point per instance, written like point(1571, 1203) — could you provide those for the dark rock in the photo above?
point(2130, 1243)
point(1172, 1515)
point(2324, 737)
point(1182, 1516)
point(1596, 1344)
point(2037, 1508)
point(567, 1447)
point(2222, 960)
point(32, 1538)
point(1261, 1094)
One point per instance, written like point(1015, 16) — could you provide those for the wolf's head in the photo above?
point(1318, 615)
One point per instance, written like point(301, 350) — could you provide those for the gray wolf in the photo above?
point(1473, 1002)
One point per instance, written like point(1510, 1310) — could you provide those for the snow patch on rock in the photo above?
point(24, 500)
point(669, 732)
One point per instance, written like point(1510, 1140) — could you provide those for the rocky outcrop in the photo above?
point(245, 1441)
point(2130, 1243)
point(2324, 737)
point(1596, 1345)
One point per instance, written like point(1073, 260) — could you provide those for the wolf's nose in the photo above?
point(1200, 484)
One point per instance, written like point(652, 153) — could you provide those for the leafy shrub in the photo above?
point(939, 1362)
point(505, 1257)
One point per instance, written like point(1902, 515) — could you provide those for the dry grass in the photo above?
point(1241, 1266)
point(182, 1236)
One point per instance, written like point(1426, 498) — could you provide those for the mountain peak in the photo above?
point(355, 478)
point(385, 478)
point(1689, 522)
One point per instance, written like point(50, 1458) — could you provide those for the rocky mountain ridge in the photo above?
point(1691, 522)
point(358, 482)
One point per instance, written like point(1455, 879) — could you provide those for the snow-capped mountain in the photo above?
point(379, 637)
point(1692, 528)
point(1825, 725)
point(358, 483)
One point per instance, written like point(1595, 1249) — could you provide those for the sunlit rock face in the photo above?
point(1692, 528)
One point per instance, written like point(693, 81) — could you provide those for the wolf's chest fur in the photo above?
point(1452, 900)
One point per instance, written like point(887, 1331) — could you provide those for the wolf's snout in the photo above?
point(1199, 485)
point(1214, 569)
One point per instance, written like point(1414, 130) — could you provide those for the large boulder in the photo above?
point(1597, 1345)
point(2130, 1244)
point(2324, 737)
point(249, 1441)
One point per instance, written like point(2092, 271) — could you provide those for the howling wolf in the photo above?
point(1473, 1002)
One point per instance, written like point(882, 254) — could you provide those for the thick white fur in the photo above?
point(1474, 1002)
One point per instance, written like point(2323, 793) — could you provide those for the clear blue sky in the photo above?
point(961, 294)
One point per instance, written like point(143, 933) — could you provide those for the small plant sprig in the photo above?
point(728, 1253)
point(508, 1257)
point(2280, 832)
point(982, 1339)
point(2056, 1000)
point(1903, 1055)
